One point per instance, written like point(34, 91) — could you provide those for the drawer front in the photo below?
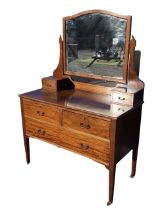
point(82, 144)
point(41, 111)
point(87, 124)
point(117, 108)
point(122, 98)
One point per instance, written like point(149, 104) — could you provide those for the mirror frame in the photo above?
point(127, 43)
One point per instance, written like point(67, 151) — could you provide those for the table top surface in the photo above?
point(83, 101)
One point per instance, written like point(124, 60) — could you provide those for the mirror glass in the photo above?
point(95, 45)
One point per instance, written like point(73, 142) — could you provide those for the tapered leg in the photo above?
point(27, 149)
point(112, 171)
point(134, 161)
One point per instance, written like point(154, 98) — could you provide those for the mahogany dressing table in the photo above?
point(92, 104)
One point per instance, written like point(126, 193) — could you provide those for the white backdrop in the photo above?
point(58, 179)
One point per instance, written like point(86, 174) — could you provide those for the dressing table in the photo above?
point(92, 103)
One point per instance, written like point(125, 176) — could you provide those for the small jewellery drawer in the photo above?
point(121, 98)
point(87, 124)
point(86, 145)
point(117, 108)
point(40, 111)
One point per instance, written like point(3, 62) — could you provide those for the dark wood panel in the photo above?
point(128, 128)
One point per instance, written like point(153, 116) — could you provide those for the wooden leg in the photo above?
point(134, 161)
point(111, 184)
point(27, 149)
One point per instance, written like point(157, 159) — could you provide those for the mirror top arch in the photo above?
point(96, 45)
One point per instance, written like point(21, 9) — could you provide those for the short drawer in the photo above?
point(83, 144)
point(122, 98)
point(40, 111)
point(117, 108)
point(87, 124)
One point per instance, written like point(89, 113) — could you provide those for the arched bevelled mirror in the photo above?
point(96, 45)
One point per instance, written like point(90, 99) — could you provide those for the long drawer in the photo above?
point(40, 111)
point(86, 124)
point(89, 146)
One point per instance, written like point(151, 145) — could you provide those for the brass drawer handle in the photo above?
point(84, 146)
point(83, 125)
point(121, 98)
point(40, 113)
point(41, 131)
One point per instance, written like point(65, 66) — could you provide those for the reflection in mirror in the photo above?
point(95, 45)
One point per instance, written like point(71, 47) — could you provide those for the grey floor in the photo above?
point(99, 67)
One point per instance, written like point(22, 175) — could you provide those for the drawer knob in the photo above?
point(120, 109)
point(84, 146)
point(121, 98)
point(40, 113)
point(83, 125)
point(41, 131)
